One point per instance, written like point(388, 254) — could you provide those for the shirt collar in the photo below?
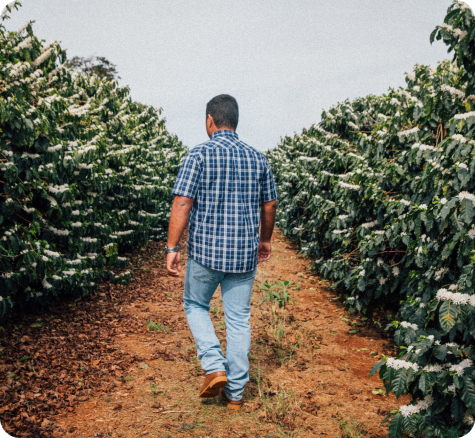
point(224, 133)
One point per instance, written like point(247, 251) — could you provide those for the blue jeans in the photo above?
point(200, 284)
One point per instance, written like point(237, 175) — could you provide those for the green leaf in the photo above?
point(468, 212)
point(468, 392)
point(423, 383)
point(376, 368)
point(457, 410)
point(448, 315)
point(396, 426)
point(353, 331)
point(399, 383)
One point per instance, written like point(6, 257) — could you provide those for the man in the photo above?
point(226, 188)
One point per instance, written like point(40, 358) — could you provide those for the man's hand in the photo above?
point(263, 252)
point(178, 218)
point(174, 259)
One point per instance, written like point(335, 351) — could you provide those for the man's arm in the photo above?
point(268, 210)
point(178, 219)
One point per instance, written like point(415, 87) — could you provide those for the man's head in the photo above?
point(222, 112)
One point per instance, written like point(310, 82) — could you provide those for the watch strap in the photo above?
point(170, 250)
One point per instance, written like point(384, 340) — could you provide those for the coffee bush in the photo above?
point(381, 194)
point(85, 174)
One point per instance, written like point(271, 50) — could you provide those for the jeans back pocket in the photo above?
point(202, 273)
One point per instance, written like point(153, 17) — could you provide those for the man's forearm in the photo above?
point(268, 212)
point(178, 219)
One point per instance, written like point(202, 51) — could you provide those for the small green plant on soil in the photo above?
point(222, 325)
point(215, 311)
point(157, 326)
point(196, 362)
point(154, 390)
point(127, 378)
point(351, 427)
point(282, 408)
point(278, 293)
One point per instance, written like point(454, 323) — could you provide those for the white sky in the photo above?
point(284, 61)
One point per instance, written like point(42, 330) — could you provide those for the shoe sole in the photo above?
point(212, 390)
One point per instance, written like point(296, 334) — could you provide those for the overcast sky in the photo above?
point(284, 61)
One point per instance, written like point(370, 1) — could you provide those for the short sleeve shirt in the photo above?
point(228, 181)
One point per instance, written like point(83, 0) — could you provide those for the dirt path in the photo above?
point(309, 379)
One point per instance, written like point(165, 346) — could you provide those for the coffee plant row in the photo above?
point(85, 175)
point(381, 194)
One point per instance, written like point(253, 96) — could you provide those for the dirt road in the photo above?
point(309, 376)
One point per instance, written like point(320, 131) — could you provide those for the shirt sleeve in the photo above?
point(188, 178)
point(268, 190)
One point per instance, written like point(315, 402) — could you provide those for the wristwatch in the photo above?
point(169, 250)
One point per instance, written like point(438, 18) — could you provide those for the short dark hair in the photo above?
point(224, 110)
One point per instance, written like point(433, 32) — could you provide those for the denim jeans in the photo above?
point(200, 284)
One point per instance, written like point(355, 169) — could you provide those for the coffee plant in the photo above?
point(381, 194)
point(85, 174)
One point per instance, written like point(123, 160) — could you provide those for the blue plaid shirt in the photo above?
point(228, 181)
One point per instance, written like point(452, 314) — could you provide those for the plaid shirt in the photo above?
point(228, 181)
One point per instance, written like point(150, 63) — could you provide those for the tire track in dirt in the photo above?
point(311, 380)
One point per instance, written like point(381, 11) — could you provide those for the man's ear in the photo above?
point(209, 121)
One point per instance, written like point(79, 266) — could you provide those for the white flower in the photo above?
point(398, 364)
point(406, 324)
point(408, 132)
point(369, 224)
point(349, 186)
point(443, 201)
point(433, 368)
point(468, 418)
point(456, 297)
point(396, 271)
point(453, 91)
point(464, 116)
point(422, 405)
point(466, 195)
point(423, 206)
point(440, 272)
point(466, 363)
point(43, 57)
point(46, 285)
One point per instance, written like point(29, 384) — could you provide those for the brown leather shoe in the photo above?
point(213, 383)
point(232, 404)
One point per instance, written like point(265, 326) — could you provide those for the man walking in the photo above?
point(226, 189)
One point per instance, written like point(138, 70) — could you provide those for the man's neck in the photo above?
point(212, 131)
